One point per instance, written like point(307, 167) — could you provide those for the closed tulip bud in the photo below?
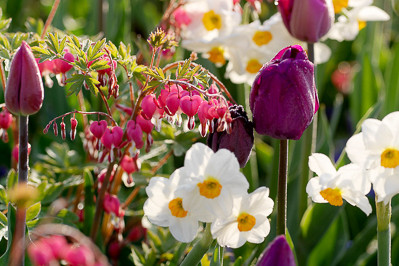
point(241, 138)
point(283, 97)
point(307, 20)
point(24, 90)
point(277, 252)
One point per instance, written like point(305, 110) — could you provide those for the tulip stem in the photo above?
point(384, 233)
point(18, 247)
point(199, 250)
point(282, 188)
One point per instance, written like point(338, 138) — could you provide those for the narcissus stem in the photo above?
point(282, 188)
point(384, 233)
point(198, 251)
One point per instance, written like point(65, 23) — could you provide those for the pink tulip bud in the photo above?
point(97, 128)
point(5, 119)
point(24, 90)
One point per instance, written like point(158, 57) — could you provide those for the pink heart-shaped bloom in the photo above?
point(97, 128)
point(189, 105)
point(112, 137)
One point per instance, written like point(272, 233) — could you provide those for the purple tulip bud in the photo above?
point(277, 252)
point(307, 20)
point(241, 138)
point(24, 91)
point(283, 97)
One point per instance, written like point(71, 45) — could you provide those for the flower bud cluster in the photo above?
point(72, 133)
point(174, 100)
point(107, 77)
point(51, 250)
point(5, 123)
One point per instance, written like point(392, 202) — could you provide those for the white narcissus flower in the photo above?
point(165, 208)
point(349, 183)
point(210, 182)
point(209, 19)
point(377, 149)
point(355, 13)
point(247, 222)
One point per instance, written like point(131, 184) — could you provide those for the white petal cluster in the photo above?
point(330, 185)
point(209, 188)
point(353, 17)
point(376, 149)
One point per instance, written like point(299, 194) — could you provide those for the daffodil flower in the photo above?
point(332, 186)
point(247, 222)
point(376, 148)
point(211, 181)
point(355, 13)
point(165, 208)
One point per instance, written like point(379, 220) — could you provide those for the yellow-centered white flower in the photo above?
point(211, 181)
point(247, 222)
point(332, 186)
point(355, 14)
point(376, 148)
point(164, 207)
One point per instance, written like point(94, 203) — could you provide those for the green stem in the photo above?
point(18, 247)
point(199, 250)
point(308, 147)
point(282, 188)
point(384, 233)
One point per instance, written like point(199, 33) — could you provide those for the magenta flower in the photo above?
point(24, 90)
point(277, 252)
point(283, 97)
point(307, 20)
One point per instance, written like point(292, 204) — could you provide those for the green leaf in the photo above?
point(40, 51)
point(12, 179)
point(89, 205)
point(100, 65)
point(3, 195)
point(4, 24)
point(11, 218)
point(33, 211)
point(3, 219)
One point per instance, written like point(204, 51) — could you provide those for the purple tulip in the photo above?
point(241, 138)
point(283, 97)
point(307, 20)
point(24, 90)
point(277, 252)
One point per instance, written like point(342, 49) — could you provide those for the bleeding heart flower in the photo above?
point(112, 137)
point(128, 164)
point(97, 128)
point(111, 204)
point(61, 66)
point(149, 106)
point(145, 124)
point(15, 152)
point(134, 133)
point(189, 105)
point(74, 124)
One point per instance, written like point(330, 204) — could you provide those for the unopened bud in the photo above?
point(55, 129)
point(74, 124)
point(63, 132)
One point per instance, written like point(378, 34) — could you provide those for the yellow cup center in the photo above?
point(253, 66)
point(212, 21)
point(333, 196)
point(176, 208)
point(362, 24)
point(262, 37)
point(245, 222)
point(210, 188)
point(216, 55)
point(339, 5)
point(390, 158)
